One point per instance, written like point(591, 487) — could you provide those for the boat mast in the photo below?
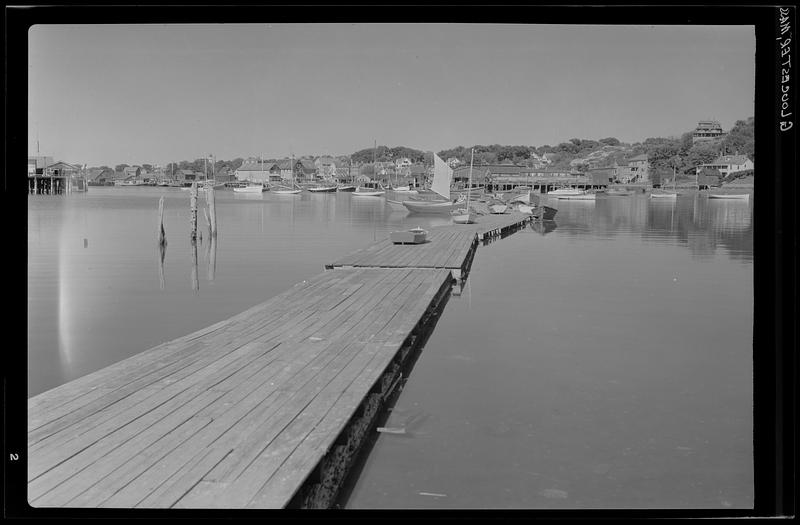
point(469, 184)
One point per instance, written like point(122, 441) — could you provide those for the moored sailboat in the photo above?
point(442, 176)
point(465, 215)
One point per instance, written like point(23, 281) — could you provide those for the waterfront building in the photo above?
point(479, 175)
point(727, 164)
point(707, 130)
point(633, 169)
point(52, 178)
point(254, 170)
point(100, 177)
point(602, 176)
point(326, 167)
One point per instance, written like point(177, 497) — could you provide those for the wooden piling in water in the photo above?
point(193, 212)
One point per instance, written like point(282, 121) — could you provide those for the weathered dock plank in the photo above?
point(234, 415)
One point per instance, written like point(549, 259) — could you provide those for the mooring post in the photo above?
point(162, 236)
point(193, 212)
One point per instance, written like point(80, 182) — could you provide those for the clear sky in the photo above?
point(111, 94)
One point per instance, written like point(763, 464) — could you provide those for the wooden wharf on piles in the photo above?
point(266, 409)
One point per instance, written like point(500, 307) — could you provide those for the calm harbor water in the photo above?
point(602, 362)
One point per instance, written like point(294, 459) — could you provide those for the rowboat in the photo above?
point(367, 192)
point(566, 191)
point(346, 188)
point(498, 208)
point(322, 188)
point(664, 195)
point(545, 213)
point(253, 188)
point(739, 196)
point(396, 205)
point(412, 236)
point(577, 196)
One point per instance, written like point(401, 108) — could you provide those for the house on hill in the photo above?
point(131, 172)
point(707, 130)
point(727, 164)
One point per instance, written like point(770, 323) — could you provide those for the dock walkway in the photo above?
point(267, 409)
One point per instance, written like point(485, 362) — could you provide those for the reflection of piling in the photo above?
point(162, 250)
point(195, 281)
point(212, 210)
point(193, 212)
point(208, 221)
point(212, 258)
point(162, 236)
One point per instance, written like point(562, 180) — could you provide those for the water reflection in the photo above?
point(543, 227)
point(162, 252)
point(692, 220)
point(195, 280)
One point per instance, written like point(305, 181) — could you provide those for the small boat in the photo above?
point(283, 190)
point(529, 204)
point(663, 195)
point(462, 216)
point(290, 190)
point(412, 236)
point(498, 208)
point(666, 194)
point(566, 191)
point(578, 196)
point(367, 192)
point(404, 189)
point(322, 188)
point(345, 188)
point(396, 205)
point(251, 188)
point(739, 196)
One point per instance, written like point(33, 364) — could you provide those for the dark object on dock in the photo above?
point(413, 236)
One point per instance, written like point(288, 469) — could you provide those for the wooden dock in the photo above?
point(450, 247)
point(267, 409)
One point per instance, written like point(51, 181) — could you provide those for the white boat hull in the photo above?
point(742, 196)
point(396, 205)
point(367, 193)
point(464, 218)
point(578, 197)
point(570, 191)
point(663, 195)
point(430, 207)
point(250, 189)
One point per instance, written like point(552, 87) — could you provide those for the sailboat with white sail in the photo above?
point(442, 176)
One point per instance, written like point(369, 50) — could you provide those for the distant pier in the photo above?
point(267, 409)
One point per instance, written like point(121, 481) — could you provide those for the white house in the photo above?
point(728, 164)
point(402, 163)
point(453, 162)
